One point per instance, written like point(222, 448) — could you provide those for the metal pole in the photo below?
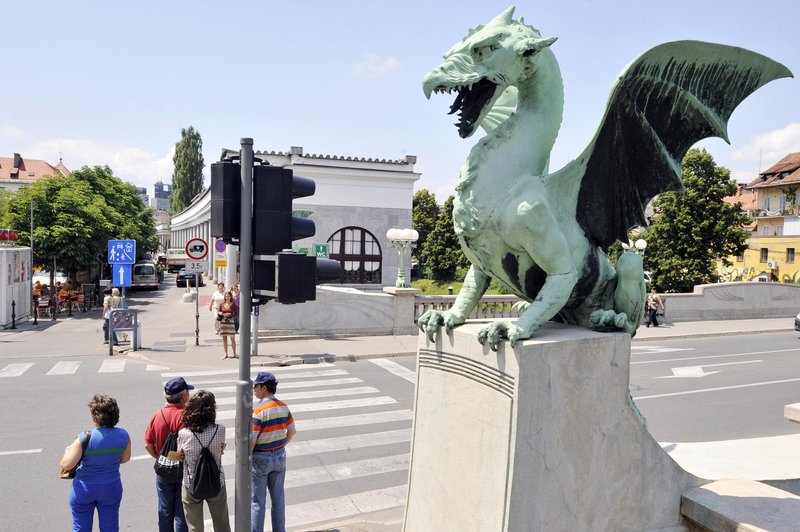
point(256, 312)
point(244, 388)
point(196, 308)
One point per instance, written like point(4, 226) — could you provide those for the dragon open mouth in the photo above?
point(469, 103)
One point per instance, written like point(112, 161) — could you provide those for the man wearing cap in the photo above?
point(273, 429)
point(164, 421)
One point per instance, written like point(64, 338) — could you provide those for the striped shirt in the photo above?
point(271, 423)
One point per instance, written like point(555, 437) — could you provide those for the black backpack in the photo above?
point(169, 470)
point(205, 477)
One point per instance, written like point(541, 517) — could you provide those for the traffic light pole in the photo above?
point(244, 387)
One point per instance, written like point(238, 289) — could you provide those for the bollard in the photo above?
point(450, 290)
point(36, 311)
point(13, 314)
point(69, 306)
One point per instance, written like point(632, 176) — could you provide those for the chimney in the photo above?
point(17, 160)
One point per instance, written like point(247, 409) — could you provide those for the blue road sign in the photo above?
point(121, 251)
point(122, 274)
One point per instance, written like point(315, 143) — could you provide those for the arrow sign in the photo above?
point(122, 274)
point(698, 371)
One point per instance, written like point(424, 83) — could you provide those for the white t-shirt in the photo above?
point(216, 300)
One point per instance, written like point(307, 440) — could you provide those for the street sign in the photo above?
point(121, 274)
point(121, 251)
point(193, 266)
point(220, 246)
point(197, 248)
point(321, 251)
point(220, 259)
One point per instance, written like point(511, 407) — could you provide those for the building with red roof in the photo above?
point(17, 172)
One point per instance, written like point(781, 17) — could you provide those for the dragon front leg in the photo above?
point(475, 285)
point(627, 308)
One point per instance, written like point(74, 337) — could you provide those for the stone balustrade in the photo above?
point(491, 306)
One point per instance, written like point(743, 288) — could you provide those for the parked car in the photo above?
point(144, 276)
point(797, 323)
point(184, 277)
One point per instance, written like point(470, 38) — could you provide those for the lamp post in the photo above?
point(400, 240)
point(637, 247)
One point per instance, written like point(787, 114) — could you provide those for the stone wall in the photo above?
point(735, 301)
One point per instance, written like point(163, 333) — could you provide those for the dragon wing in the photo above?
point(665, 101)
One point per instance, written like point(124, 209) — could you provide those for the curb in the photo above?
point(708, 334)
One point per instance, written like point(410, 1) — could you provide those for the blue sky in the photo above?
point(113, 83)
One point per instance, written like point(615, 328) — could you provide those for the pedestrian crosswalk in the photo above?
point(353, 441)
point(73, 367)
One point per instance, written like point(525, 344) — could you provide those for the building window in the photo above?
point(765, 231)
point(783, 202)
point(764, 254)
point(766, 203)
point(359, 253)
point(779, 230)
point(789, 254)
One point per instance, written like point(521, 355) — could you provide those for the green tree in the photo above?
point(187, 177)
point(423, 218)
point(691, 231)
point(442, 252)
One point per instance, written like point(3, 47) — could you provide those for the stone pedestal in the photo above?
point(538, 437)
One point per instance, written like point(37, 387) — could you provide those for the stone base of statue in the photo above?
point(538, 437)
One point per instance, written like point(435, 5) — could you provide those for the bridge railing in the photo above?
point(490, 306)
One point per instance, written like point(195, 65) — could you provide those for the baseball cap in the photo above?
point(265, 377)
point(176, 385)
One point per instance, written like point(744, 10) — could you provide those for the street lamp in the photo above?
point(400, 240)
point(636, 247)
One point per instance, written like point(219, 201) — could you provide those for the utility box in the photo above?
point(15, 284)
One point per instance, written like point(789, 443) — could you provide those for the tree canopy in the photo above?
point(75, 217)
point(187, 177)
point(424, 212)
point(442, 252)
point(691, 231)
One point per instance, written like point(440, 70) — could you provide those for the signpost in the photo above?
point(196, 249)
point(121, 257)
point(121, 274)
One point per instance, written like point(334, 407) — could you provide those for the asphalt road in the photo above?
point(719, 388)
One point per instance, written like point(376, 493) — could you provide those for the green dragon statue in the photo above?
point(543, 235)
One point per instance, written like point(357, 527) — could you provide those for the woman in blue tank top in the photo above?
point(97, 483)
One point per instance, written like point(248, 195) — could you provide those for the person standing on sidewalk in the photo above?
point(216, 300)
point(654, 302)
point(236, 296)
point(163, 422)
point(273, 429)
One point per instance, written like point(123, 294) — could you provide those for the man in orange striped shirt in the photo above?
point(272, 430)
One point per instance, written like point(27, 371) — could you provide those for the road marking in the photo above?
point(112, 366)
point(715, 356)
point(397, 369)
point(698, 371)
point(293, 385)
point(154, 367)
point(720, 388)
point(14, 370)
point(64, 368)
point(296, 375)
point(310, 394)
point(349, 505)
point(343, 443)
point(327, 405)
point(24, 451)
point(649, 349)
point(353, 420)
point(277, 370)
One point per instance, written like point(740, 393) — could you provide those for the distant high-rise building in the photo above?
point(160, 200)
point(142, 191)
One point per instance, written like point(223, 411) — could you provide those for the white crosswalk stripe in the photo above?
point(314, 393)
point(112, 366)
point(14, 370)
point(64, 368)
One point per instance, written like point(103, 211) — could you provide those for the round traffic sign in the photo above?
point(220, 246)
point(196, 248)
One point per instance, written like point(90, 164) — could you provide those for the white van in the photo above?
point(144, 276)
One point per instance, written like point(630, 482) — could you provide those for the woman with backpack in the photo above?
point(202, 442)
point(97, 483)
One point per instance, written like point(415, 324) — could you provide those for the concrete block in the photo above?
point(538, 437)
point(792, 412)
point(741, 505)
point(188, 297)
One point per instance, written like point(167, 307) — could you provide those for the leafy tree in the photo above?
point(187, 177)
point(423, 218)
point(442, 252)
point(691, 231)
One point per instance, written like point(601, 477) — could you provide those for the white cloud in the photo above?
point(129, 163)
point(11, 132)
point(766, 149)
point(374, 66)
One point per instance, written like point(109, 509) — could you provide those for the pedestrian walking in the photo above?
point(225, 326)
point(163, 422)
point(202, 432)
point(111, 300)
point(273, 429)
point(97, 483)
point(654, 302)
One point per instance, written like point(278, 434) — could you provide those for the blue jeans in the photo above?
point(84, 498)
point(269, 470)
point(170, 507)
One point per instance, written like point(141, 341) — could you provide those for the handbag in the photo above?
point(67, 474)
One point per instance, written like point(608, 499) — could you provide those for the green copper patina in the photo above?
point(543, 235)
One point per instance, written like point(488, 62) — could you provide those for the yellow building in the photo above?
point(775, 238)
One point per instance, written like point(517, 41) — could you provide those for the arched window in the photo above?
point(359, 253)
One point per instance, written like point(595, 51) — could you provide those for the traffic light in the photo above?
point(226, 199)
point(278, 272)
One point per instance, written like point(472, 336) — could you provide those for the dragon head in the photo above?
point(483, 64)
